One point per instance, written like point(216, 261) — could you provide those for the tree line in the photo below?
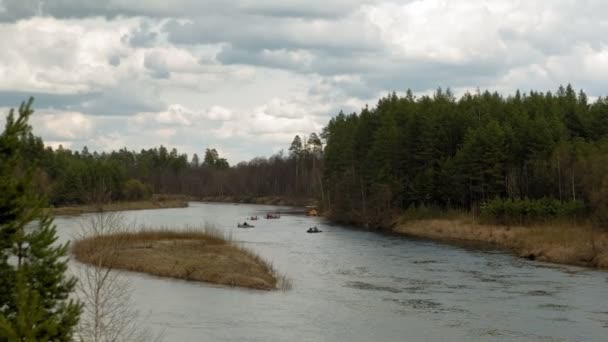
point(524, 155)
point(405, 152)
point(39, 299)
point(440, 151)
point(68, 177)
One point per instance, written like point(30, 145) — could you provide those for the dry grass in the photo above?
point(190, 255)
point(557, 242)
point(121, 206)
point(266, 200)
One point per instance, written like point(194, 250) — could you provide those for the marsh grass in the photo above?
point(205, 254)
point(559, 241)
point(155, 203)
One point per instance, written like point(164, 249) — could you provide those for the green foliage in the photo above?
point(135, 190)
point(34, 288)
point(213, 160)
point(296, 146)
point(439, 151)
point(526, 211)
point(431, 151)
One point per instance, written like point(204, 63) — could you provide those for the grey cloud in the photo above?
point(114, 60)
point(44, 100)
point(230, 55)
point(18, 9)
point(142, 37)
point(156, 65)
point(256, 33)
point(430, 74)
point(319, 61)
point(371, 72)
point(302, 8)
point(123, 100)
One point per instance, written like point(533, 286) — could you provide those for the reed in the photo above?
point(120, 206)
point(562, 242)
point(204, 254)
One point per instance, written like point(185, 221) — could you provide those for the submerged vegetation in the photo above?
point(197, 255)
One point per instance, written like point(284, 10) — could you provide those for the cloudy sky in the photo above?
point(245, 76)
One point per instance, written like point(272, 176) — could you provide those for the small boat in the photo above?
point(314, 230)
point(253, 218)
point(244, 225)
point(273, 216)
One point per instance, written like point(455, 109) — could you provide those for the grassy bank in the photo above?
point(268, 200)
point(559, 242)
point(157, 202)
point(205, 256)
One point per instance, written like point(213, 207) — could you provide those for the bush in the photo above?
point(599, 203)
point(135, 190)
point(526, 211)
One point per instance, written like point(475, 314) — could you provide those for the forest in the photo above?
point(69, 177)
point(526, 156)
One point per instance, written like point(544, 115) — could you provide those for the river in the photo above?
point(353, 285)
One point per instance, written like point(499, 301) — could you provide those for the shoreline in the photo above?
point(557, 243)
point(118, 206)
point(203, 256)
point(265, 200)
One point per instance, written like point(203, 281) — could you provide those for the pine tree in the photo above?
point(34, 289)
point(195, 161)
point(295, 150)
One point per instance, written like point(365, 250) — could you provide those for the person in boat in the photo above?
point(314, 230)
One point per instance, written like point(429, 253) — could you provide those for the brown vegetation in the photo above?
point(108, 313)
point(157, 202)
point(190, 255)
point(558, 242)
point(268, 200)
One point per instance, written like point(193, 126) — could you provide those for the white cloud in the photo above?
point(277, 121)
point(63, 57)
point(458, 31)
point(64, 126)
point(175, 115)
point(218, 113)
point(246, 76)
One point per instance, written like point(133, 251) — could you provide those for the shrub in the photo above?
point(135, 190)
point(526, 211)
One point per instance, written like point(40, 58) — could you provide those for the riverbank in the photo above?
point(267, 200)
point(205, 256)
point(561, 243)
point(155, 203)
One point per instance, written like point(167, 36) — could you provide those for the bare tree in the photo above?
point(108, 314)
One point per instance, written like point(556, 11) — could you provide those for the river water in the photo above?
point(353, 285)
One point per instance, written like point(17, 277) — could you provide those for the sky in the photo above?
point(246, 76)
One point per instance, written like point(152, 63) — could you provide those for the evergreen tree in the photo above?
point(195, 162)
point(34, 289)
point(211, 157)
point(295, 150)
